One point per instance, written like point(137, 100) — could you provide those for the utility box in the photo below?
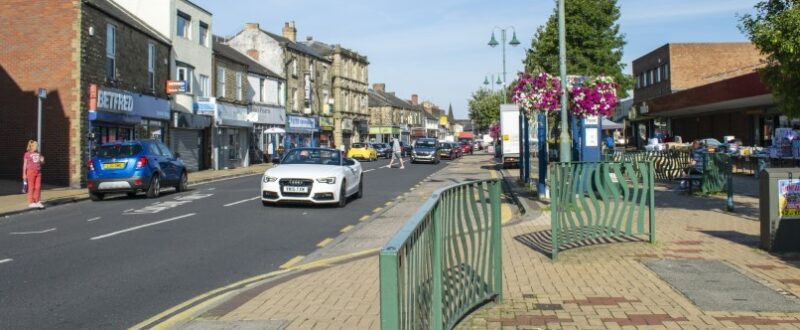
point(779, 208)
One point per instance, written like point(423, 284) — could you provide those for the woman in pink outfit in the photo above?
point(32, 173)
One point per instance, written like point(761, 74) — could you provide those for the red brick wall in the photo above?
point(39, 50)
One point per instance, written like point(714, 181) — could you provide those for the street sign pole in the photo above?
point(41, 95)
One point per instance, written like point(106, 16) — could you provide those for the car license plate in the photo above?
point(295, 189)
point(113, 165)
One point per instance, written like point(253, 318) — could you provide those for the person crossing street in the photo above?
point(397, 154)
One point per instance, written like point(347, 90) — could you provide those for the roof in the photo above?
point(384, 99)
point(229, 52)
point(731, 94)
point(296, 46)
point(114, 10)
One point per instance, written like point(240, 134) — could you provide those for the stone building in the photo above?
point(231, 128)
point(309, 103)
point(85, 54)
point(390, 116)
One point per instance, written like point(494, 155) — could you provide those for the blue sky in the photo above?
point(438, 48)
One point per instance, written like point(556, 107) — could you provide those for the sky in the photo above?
point(438, 48)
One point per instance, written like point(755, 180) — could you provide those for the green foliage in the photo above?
point(775, 29)
point(594, 43)
point(484, 107)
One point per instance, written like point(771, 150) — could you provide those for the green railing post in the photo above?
point(729, 188)
point(438, 235)
point(652, 206)
point(556, 185)
point(497, 246)
point(390, 293)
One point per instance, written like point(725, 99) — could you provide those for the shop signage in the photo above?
point(113, 100)
point(326, 123)
point(190, 121)
point(443, 121)
point(789, 198)
point(174, 86)
point(347, 124)
point(267, 115)
point(229, 114)
point(302, 122)
point(206, 106)
point(384, 130)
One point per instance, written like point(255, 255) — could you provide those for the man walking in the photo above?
point(397, 154)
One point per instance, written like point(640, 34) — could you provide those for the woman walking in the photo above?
point(32, 173)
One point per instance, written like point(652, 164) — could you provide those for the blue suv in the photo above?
point(132, 167)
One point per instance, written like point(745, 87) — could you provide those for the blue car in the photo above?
point(134, 166)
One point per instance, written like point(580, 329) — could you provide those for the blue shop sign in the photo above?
point(297, 124)
point(113, 103)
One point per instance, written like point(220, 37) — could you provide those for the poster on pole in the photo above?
point(591, 137)
point(789, 198)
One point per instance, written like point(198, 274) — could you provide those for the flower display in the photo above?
point(494, 130)
point(596, 96)
point(541, 92)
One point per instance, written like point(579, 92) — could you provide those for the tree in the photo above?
point(774, 28)
point(484, 108)
point(594, 43)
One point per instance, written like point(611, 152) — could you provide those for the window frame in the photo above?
point(239, 86)
point(262, 88)
point(111, 51)
point(294, 67)
point(666, 71)
point(204, 85)
point(151, 65)
point(295, 99)
point(221, 81)
point(203, 37)
point(187, 27)
point(187, 75)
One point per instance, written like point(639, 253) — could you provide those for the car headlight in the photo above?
point(268, 179)
point(330, 180)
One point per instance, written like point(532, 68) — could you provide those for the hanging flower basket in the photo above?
point(596, 96)
point(541, 92)
point(494, 130)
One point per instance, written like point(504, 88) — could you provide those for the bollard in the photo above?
point(729, 205)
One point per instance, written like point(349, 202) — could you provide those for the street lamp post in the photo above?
point(514, 43)
point(488, 82)
point(564, 153)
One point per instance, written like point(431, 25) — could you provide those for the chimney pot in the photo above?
point(380, 87)
point(289, 31)
point(414, 99)
point(251, 26)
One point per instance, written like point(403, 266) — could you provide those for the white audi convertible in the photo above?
point(312, 175)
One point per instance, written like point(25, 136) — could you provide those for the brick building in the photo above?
point(105, 73)
point(699, 90)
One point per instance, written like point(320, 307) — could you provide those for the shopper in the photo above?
point(397, 154)
point(32, 173)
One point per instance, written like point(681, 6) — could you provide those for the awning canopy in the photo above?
point(608, 124)
point(274, 130)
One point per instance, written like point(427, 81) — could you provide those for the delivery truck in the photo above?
point(509, 135)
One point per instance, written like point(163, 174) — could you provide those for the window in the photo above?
point(239, 89)
point(220, 81)
point(324, 73)
point(151, 65)
point(204, 85)
point(185, 74)
point(261, 89)
point(203, 34)
point(294, 68)
point(184, 23)
point(280, 93)
point(346, 102)
point(650, 78)
point(294, 99)
point(666, 71)
point(311, 69)
point(638, 81)
point(658, 74)
point(111, 52)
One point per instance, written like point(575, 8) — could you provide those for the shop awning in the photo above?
point(274, 130)
point(608, 124)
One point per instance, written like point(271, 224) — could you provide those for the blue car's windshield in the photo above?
point(312, 156)
point(425, 144)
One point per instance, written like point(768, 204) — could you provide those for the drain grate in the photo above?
point(715, 286)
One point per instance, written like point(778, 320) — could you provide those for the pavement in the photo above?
point(51, 195)
point(336, 286)
point(114, 263)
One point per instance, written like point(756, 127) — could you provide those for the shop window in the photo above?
point(233, 144)
point(150, 129)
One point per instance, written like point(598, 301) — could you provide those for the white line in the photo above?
point(32, 232)
point(6, 260)
point(211, 188)
point(93, 219)
point(370, 170)
point(242, 201)
point(142, 226)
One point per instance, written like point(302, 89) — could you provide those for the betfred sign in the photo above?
point(110, 100)
point(174, 86)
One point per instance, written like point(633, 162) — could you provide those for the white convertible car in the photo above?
point(312, 175)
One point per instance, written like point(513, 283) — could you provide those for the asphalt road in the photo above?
point(115, 263)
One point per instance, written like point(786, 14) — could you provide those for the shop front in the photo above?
point(326, 125)
point(189, 137)
point(361, 130)
point(346, 127)
point(405, 134)
point(231, 136)
point(300, 132)
point(269, 125)
point(383, 134)
point(119, 115)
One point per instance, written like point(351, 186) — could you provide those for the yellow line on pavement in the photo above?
point(388, 203)
point(505, 213)
point(329, 261)
point(493, 173)
point(377, 209)
point(291, 262)
point(171, 322)
point(325, 242)
point(364, 218)
point(347, 228)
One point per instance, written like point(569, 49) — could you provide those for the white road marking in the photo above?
point(6, 260)
point(212, 188)
point(142, 226)
point(32, 232)
point(128, 210)
point(370, 170)
point(242, 201)
point(93, 219)
point(385, 166)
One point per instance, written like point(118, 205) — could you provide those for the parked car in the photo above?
point(384, 150)
point(448, 151)
point(132, 167)
point(312, 175)
point(362, 151)
point(407, 149)
point(425, 150)
point(466, 147)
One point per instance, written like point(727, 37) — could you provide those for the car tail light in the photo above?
point(137, 182)
point(90, 184)
point(90, 165)
point(141, 163)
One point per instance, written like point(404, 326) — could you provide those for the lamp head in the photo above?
point(514, 42)
point(493, 42)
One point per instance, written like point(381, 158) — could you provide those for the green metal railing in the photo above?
point(600, 200)
point(667, 165)
point(445, 260)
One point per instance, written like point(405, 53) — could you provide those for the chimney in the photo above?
point(414, 99)
point(289, 31)
point(309, 39)
point(379, 87)
point(251, 26)
point(253, 53)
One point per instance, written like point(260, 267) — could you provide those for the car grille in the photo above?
point(296, 183)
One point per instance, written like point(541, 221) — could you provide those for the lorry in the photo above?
point(509, 135)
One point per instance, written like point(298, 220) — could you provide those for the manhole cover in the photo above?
point(715, 286)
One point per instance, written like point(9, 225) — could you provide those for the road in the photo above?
point(112, 264)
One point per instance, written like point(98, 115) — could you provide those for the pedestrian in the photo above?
point(270, 151)
point(396, 154)
point(32, 173)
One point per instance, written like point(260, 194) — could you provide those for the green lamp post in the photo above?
point(514, 43)
point(565, 154)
